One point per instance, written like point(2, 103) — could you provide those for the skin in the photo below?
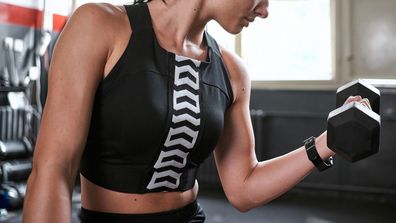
point(93, 41)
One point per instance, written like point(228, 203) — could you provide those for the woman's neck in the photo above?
point(179, 25)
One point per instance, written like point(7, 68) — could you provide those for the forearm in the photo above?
point(48, 199)
point(271, 178)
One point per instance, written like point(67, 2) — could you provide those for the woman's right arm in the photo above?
point(76, 69)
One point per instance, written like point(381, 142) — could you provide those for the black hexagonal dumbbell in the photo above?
point(353, 130)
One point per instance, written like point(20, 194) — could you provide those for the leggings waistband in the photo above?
point(189, 213)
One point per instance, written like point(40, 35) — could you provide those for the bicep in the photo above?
point(234, 154)
point(76, 69)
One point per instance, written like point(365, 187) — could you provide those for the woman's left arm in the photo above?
point(248, 183)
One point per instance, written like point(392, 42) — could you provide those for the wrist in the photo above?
point(313, 155)
point(321, 146)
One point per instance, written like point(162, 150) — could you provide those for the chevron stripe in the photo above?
point(186, 117)
point(188, 75)
point(186, 80)
point(161, 163)
point(181, 141)
point(185, 104)
point(186, 99)
point(184, 129)
point(168, 173)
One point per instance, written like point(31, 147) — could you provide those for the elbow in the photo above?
point(241, 202)
point(243, 208)
point(246, 200)
point(47, 172)
point(32, 176)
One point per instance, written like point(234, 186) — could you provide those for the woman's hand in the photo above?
point(358, 98)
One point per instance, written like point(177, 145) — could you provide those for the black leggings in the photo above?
point(191, 213)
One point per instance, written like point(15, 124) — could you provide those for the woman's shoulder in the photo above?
point(99, 11)
point(105, 25)
point(238, 72)
point(102, 17)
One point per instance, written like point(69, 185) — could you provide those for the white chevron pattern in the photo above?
point(181, 137)
point(161, 163)
point(158, 175)
point(185, 104)
point(181, 141)
point(186, 80)
point(186, 117)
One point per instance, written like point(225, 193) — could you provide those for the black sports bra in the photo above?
point(156, 116)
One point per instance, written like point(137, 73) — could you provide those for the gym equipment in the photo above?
point(12, 149)
point(362, 88)
point(4, 79)
point(353, 130)
point(15, 170)
point(12, 195)
point(8, 44)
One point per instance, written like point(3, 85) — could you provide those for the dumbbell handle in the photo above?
point(15, 170)
point(15, 149)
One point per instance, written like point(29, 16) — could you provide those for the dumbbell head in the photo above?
point(353, 131)
point(362, 88)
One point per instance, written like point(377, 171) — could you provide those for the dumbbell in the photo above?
point(15, 170)
point(353, 130)
point(12, 195)
point(12, 149)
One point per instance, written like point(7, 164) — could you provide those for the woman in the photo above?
point(141, 95)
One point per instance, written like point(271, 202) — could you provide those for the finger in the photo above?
point(365, 102)
point(353, 98)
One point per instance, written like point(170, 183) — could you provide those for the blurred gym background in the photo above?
point(297, 59)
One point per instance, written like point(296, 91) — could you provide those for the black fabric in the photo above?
point(191, 213)
point(132, 112)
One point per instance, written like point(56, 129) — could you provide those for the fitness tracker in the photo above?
point(314, 156)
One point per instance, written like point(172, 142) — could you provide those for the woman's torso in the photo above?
point(120, 200)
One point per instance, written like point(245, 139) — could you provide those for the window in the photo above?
point(293, 43)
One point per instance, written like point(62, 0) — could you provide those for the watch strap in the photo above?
point(314, 156)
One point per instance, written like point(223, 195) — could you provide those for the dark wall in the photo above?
point(293, 101)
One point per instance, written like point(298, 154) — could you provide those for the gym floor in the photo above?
point(288, 209)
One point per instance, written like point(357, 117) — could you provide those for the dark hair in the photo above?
point(140, 1)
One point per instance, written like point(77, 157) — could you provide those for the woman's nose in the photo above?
point(262, 9)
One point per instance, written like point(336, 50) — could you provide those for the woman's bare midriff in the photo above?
point(96, 198)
